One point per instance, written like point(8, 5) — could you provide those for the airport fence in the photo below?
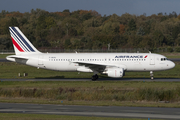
point(123, 50)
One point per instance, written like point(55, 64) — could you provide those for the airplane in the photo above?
point(112, 64)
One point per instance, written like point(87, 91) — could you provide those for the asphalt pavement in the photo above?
point(100, 111)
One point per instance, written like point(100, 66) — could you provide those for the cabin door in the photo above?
point(40, 60)
point(152, 60)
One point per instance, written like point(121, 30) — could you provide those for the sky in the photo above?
point(103, 7)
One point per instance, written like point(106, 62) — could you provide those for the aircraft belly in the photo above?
point(137, 66)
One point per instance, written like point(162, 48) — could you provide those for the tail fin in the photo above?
point(21, 44)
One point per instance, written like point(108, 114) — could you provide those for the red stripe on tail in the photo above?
point(17, 46)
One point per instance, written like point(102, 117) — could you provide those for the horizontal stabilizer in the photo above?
point(13, 58)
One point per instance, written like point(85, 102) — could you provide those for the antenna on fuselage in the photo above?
point(150, 52)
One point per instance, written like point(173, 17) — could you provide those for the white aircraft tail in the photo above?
point(21, 44)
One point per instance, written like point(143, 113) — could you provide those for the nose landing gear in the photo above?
point(151, 75)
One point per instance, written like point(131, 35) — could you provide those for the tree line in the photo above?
point(83, 29)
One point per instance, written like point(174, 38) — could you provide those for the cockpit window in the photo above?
point(163, 59)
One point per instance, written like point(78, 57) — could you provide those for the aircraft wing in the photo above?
point(99, 67)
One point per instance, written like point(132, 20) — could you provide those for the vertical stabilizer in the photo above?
point(21, 44)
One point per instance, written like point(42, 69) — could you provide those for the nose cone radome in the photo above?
point(171, 65)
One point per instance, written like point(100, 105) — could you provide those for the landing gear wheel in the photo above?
point(95, 77)
point(151, 74)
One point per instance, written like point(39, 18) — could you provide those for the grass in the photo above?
point(88, 84)
point(100, 93)
point(17, 116)
point(91, 103)
point(2, 56)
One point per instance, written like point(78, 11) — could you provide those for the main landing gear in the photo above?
point(151, 74)
point(95, 77)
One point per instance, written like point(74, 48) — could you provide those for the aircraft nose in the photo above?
point(171, 64)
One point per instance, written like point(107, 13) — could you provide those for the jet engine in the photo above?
point(114, 72)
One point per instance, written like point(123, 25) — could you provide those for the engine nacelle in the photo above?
point(115, 72)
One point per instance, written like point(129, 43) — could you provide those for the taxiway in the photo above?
point(101, 111)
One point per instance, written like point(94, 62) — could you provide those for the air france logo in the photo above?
point(130, 56)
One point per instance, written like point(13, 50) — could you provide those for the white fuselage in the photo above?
point(72, 61)
point(112, 64)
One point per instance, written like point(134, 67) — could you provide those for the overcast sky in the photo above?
point(103, 7)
